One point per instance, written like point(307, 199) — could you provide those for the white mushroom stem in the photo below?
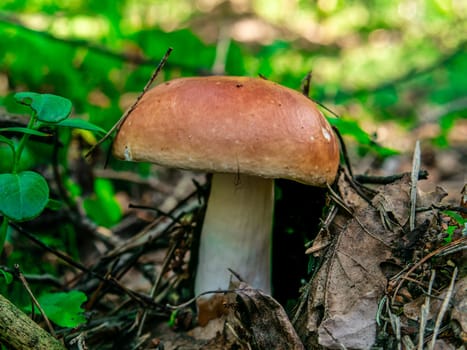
point(236, 233)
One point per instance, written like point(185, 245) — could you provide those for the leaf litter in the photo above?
point(378, 284)
point(354, 299)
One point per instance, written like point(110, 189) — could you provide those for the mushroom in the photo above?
point(246, 131)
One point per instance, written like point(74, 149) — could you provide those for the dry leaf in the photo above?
point(261, 321)
point(459, 310)
point(343, 297)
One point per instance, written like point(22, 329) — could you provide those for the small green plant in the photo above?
point(457, 222)
point(25, 194)
point(352, 128)
point(64, 308)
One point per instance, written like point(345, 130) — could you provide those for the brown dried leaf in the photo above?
point(260, 321)
point(459, 303)
point(245, 319)
point(343, 297)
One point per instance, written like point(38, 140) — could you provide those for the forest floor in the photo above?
point(392, 268)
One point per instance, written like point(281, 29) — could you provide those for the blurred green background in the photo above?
point(402, 62)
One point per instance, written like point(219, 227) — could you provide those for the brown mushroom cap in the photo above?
point(231, 125)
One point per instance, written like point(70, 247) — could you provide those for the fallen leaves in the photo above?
point(340, 306)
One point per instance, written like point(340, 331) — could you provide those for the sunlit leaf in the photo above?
point(49, 108)
point(81, 124)
point(64, 309)
point(25, 131)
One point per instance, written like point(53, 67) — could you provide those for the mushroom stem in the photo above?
point(236, 233)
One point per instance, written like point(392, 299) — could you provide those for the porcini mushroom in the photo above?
point(246, 131)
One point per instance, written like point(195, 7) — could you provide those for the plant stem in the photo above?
point(3, 231)
point(22, 143)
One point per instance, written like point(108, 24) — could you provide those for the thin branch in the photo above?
point(424, 312)
point(132, 107)
point(219, 291)
point(20, 276)
point(306, 84)
point(461, 243)
point(413, 184)
point(385, 180)
point(55, 252)
point(444, 308)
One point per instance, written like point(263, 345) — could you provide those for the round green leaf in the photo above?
point(49, 108)
point(23, 195)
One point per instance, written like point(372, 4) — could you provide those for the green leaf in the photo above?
point(351, 128)
point(64, 309)
point(49, 108)
point(53, 204)
point(81, 124)
point(455, 216)
point(8, 276)
point(103, 208)
point(8, 142)
point(23, 195)
point(26, 131)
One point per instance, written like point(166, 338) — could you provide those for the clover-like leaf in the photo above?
point(49, 108)
point(81, 124)
point(23, 195)
point(64, 309)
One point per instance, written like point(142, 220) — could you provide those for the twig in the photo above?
point(20, 276)
point(55, 252)
point(424, 311)
point(407, 342)
point(219, 291)
point(443, 309)
point(413, 184)
point(155, 286)
point(306, 84)
point(344, 152)
point(45, 278)
point(324, 227)
point(132, 107)
point(385, 180)
point(152, 182)
point(222, 49)
point(461, 242)
point(139, 298)
point(135, 241)
point(396, 326)
point(157, 210)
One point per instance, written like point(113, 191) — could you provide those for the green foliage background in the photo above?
point(372, 59)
